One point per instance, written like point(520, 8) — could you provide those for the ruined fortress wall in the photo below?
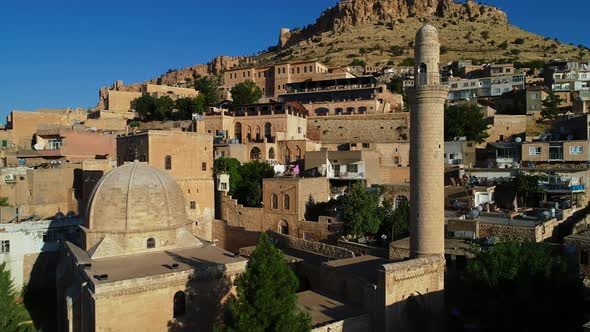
point(377, 128)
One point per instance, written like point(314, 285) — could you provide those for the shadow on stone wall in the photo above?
point(206, 291)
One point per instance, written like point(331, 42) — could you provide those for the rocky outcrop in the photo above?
point(352, 13)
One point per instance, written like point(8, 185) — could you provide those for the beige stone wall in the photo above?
point(378, 128)
point(120, 101)
point(169, 90)
point(192, 167)
point(232, 238)
point(504, 126)
point(354, 324)
point(25, 124)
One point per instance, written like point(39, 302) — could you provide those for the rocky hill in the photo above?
point(381, 33)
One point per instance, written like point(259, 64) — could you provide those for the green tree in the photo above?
point(210, 88)
point(248, 190)
point(407, 62)
point(4, 201)
point(465, 119)
point(358, 63)
point(503, 45)
point(397, 50)
point(361, 211)
point(151, 108)
point(519, 41)
point(396, 85)
point(551, 104)
point(13, 316)
point(522, 287)
point(266, 299)
point(187, 106)
point(230, 166)
point(396, 221)
point(245, 93)
point(524, 184)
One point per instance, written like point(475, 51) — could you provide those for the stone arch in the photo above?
point(150, 243)
point(400, 200)
point(257, 133)
point(249, 134)
point(179, 303)
point(322, 111)
point(362, 110)
point(283, 227)
point(255, 153)
point(423, 74)
point(339, 111)
point(268, 131)
point(238, 131)
point(287, 155)
point(350, 110)
point(271, 153)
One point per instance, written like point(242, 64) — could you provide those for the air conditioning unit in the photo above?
point(9, 178)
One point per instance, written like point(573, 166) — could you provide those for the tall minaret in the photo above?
point(427, 100)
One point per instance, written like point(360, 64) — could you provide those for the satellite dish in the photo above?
point(518, 140)
point(197, 116)
point(38, 147)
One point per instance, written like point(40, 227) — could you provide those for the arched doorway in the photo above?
point(257, 133)
point(179, 304)
point(283, 227)
point(238, 131)
point(362, 110)
point(151, 243)
point(287, 156)
point(255, 153)
point(271, 153)
point(400, 200)
point(297, 153)
point(268, 131)
point(350, 110)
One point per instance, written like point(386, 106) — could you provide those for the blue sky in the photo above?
point(57, 53)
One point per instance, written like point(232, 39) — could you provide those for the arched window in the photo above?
point(179, 304)
point(275, 201)
point(249, 134)
point(400, 200)
point(271, 153)
point(287, 156)
point(283, 227)
point(339, 111)
point(286, 202)
point(362, 110)
point(168, 162)
point(322, 111)
point(423, 72)
point(297, 153)
point(257, 131)
point(238, 131)
point(268, 131)
point(151, 243)
point(350, 110)
point(255, 153)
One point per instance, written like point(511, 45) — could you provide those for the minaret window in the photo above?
point(423, 72)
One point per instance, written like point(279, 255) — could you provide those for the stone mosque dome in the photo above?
point(427, 33)
point(136, 197)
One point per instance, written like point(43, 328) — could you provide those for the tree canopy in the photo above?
point(245, 93)
point(522, 287)
point(396, 85)
point(361, 211)
point(245, 180)
point(551, 104)
point(266, 298)
point(152, 108)
point(465, 119)
point(209, 87)
point(395, 220)
point(13, 315)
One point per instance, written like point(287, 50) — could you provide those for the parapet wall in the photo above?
point(285, 241)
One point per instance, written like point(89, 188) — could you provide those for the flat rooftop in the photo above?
point(364, 267)
point(158, 263)
point(455, 247)
point(324, 310)
point(293, 255)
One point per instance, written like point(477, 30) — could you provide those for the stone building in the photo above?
point(187, 157)
point(139, 266)
point(273, 80)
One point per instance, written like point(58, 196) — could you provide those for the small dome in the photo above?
point(427, 33)
point(136, 198)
